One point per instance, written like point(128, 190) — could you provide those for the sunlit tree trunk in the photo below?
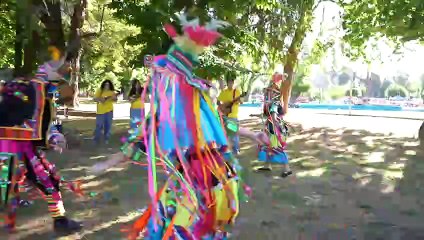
point(302, 29)
point(77, 22)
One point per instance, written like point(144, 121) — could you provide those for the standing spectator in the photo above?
point(105, 97)
point(137, 103)
point(229, 101)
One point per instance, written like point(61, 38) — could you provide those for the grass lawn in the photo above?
point(347, 185)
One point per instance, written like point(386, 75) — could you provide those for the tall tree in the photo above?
point(77, 22)
point(401, 21)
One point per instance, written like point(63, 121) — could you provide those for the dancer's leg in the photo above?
point(286, 171)
point(38, 176)
point(13, 195)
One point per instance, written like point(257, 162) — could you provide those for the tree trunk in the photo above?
point(18, 46)
point(53, 23)
point(76, 77)
point(286, 85)
point(302, 28)
point(421, 134)
point(369, 90)
point(77, 22)
point(30, 53)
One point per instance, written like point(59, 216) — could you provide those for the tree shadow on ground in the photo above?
point(347, 185)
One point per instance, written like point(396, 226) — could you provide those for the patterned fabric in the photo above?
point(16, 133)
point(19, 154)
point(36, 122)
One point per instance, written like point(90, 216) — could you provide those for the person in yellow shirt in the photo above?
point(137, 103)
point(105, 97)
point(228, 95)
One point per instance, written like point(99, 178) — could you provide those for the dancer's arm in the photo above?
point(259, 137)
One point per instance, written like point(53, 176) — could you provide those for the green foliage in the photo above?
point(400, 21)
point(396, 90)
point(109, 53)
point(259, 29)
point(300, 84)
point(355, 92)
point(337, 92)
point(299, 87)
point(7, 33)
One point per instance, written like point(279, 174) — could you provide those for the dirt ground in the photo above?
point(347, 185)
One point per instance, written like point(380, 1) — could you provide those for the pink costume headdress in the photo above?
point(195, 38)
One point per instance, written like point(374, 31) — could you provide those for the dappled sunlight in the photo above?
point(374, 157)
point(124, 124)
point(92, 184)
point(359, 175)
point(391, 175)
point(97, 157)
point(248, 146)
point(410, 152)
point(311, 173)
point(87, 178)
point(115, 169)
point(36, 225)
point(301, 159)
point(118, 220)
point(85, 214)
point(74, 169)
point(364, 181)
point(396, 166)
point(370, 170)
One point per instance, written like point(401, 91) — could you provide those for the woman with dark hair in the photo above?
point(105, 97)
point(137, 103)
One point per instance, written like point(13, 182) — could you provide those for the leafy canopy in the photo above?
point(399, 20)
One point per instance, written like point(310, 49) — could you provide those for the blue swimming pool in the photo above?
point(346, 107)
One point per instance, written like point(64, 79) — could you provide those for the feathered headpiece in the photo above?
point(195, 38)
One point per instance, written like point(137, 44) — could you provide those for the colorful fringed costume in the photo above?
point(276, 130)
point(26, 112)
point(182, 130)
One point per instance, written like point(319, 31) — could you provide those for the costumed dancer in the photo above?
point(275, 128)
point(201, 196)
point(26, 114)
